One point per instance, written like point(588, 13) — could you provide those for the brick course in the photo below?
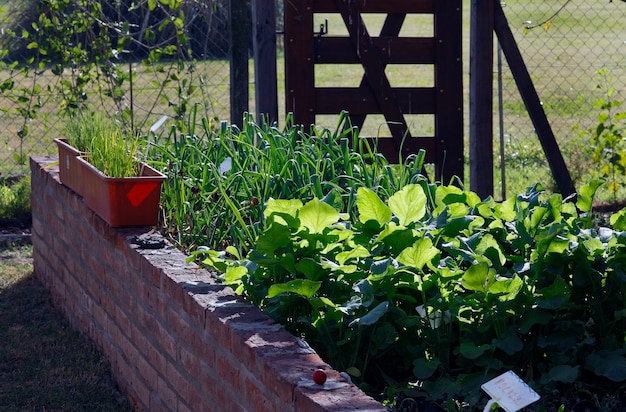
point(176, 340)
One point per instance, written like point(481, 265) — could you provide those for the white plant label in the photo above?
point(510, 392)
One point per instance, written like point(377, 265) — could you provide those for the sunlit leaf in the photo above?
point(317, 216)
point(618, 220)
point(409, 204)
point(283, 211)
point(489, 247)
point(234, 274)
point(371, 207)
point(587, 193)
point(419, 254)
point(507, 289)
point(274, 237)
point(358, 252)
point(478, 277)
point(302, 287)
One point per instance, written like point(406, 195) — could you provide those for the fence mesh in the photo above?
point(564, 44)
point(171, 86)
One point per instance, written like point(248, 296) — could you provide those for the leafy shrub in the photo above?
point(15, 201)
point(607, 137)
point(435, 291)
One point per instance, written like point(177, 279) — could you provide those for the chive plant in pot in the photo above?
point(78, 132)
point(119, 188)
point(114, 184)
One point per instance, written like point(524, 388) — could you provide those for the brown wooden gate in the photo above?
point(304, 48)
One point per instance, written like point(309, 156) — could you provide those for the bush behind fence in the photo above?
point(564, 43)
point(139, 61)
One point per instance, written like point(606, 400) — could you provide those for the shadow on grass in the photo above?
point(45, 365)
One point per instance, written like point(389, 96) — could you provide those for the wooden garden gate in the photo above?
point(304, 48)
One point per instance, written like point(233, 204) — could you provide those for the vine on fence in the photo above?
point(86, 51)
point(606, 138)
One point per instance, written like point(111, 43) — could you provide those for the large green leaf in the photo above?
point(425, 368)
point(371, 207)
point(555, 295)
point(289, 207)
point(561, 373)
point(447, 195)
point(610, 364)
point(534, 317)
point(372, 316)
point(275, 236)
point(510, 343)
point(419, 254)
point(283, 211)
point(478, 277)
point(356, 252)
point(489, 247)
point(507, 210)
point(507, 289)
point(317, 216)
point(618, 220)
point(310, 268)
point(471, 351)
point(234, 274)
point(587, 193)
point(214, 259)
point(303, 287)
point(409, 204)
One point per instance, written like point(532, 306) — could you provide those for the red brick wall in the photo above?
point(176, 340)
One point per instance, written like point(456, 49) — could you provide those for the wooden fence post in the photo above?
point(240, 23)
point(481, 97)
point(264, 46)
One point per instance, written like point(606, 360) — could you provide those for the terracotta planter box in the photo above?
point(69, 171)
point(122, 202)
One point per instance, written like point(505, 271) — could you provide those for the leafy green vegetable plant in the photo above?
point(434, 291)
point(15, 200)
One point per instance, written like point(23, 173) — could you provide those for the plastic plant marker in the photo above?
point(510, 392)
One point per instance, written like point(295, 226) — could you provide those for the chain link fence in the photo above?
point(564, 44)
point(147, 78)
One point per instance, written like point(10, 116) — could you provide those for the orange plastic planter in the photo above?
point(69, 171)
point(126, 201)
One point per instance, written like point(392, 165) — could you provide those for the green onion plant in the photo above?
point(220, 176)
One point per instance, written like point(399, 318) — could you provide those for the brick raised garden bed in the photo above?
point(176, 340)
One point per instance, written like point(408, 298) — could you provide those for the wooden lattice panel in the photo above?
point(305, 48)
